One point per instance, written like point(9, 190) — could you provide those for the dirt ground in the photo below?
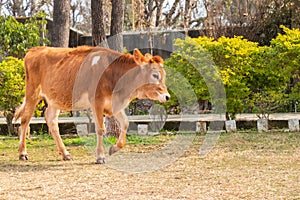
point(233, 170)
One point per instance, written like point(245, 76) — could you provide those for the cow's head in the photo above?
point(153, 75)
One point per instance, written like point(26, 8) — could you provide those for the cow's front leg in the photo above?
point(123, 120)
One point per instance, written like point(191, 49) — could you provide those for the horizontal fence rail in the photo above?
point(199, 123)
point(170, 118)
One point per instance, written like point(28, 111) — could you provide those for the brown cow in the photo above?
point(88, 77)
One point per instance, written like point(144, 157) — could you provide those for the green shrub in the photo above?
point(16, 37)
point(256, 78)
point(12, 86)
point(286, 49)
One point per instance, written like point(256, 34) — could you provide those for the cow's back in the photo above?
point(44, 60)
point(52, 72)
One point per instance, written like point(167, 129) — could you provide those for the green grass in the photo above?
point(147, 140)
point(241, 141)
point(42, 146)
point(109, 140)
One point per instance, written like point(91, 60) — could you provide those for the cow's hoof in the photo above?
point(100, 161)
point(112, 150)
point(23, 157)
point(67, 157)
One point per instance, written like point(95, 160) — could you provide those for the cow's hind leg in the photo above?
point(51, 116)
point(100, 130)
point(25, 112)
point(122, 118)
point(99, 149)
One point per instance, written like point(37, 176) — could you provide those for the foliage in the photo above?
point(267, 83)
point(192, 72)
point(40, 109)
point(12, 83)
point(233, 57)
point(259, 79)
point(16, 37)
point(12, 87)
point(225, 60)
point(286, 49)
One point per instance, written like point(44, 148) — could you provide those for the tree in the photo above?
point(286, 50)
point(2, 2)
point(163, 14)
point(61, 23)
point(81, 15)
point(76, 8)
point(116, 28)
point(18, 7)
point(16, 38)
point(12, 87)
point(268, 82)
point(26, 7)
point(271, 15)
point(98, 27)
point(257, 79)
point(262, 18)
point(115, 42)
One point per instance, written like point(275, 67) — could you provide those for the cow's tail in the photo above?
point(19, 111)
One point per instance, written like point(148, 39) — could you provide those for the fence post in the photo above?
point(142, 129)
point(82, 129)
point(262, 125)
point(230, 126)
point(293, 125)
point(201, 127)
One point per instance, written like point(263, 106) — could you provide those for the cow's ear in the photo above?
point(148, 58)
point(138, 57)
point(158, 59)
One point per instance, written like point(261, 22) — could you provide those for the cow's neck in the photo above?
point(124, 90)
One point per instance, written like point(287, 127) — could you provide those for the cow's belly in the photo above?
point(81, 103)
point(67, 102)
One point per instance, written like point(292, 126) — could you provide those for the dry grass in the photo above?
point(241, 166)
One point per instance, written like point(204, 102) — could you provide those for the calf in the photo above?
point(88, 77)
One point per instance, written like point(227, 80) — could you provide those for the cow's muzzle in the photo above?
point(164, 97)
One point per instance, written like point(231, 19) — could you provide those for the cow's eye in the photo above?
point(155, 75)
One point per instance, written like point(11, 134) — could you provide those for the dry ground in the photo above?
point(241, 166)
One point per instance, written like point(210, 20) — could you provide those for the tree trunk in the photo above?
point(98, 27)
point(149, 16)
point(116, 28)
point(187, 15)
point(9, 118)
point(61, 23)
point(115, 42)
point(112, 127)
point(2, 2)
point(159, 4)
